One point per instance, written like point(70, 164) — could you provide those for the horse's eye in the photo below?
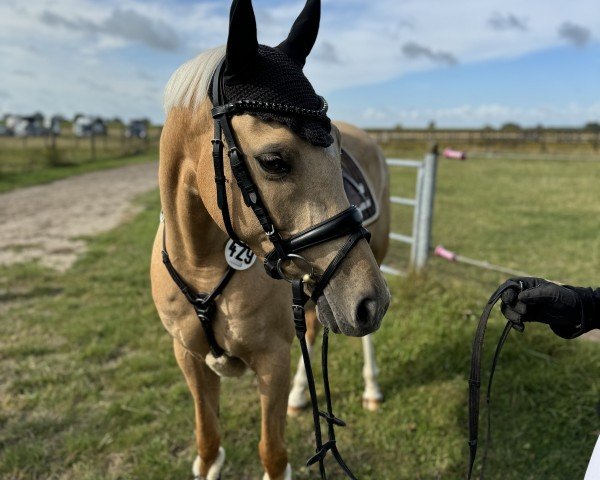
point(273, 163)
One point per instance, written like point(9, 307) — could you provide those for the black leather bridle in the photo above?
point(347, 223)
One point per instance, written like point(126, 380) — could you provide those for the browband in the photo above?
point(270, 107)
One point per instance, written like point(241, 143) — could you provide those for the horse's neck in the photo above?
point(192, 235)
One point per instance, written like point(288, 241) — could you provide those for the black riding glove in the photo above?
point(569, 311)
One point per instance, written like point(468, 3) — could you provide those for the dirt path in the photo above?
point(45, 222)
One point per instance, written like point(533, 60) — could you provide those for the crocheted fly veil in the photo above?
point(262, 76)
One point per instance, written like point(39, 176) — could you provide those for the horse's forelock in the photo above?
point(188, 86)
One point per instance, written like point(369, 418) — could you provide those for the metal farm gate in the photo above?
point(423, 203)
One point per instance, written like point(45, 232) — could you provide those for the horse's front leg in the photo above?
point(273, 372)
point(205, 386)
point(298, 400)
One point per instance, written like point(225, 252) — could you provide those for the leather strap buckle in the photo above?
point(221, 110)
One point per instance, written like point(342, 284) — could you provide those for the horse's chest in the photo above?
point(252, 311)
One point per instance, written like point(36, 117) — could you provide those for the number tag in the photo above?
point(239, 257)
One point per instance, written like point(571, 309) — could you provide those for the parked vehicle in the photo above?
point(25, 126)
point(137, 129)
point(86, 126)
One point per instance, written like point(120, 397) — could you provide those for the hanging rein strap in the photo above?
point(475, 376)
point(203, 303)
point(299, 299)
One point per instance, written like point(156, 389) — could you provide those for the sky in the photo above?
point(459, 63)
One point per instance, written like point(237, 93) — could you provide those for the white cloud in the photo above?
point(127, 25)
point(494, 114)
point(361, 42)
point(369, 44)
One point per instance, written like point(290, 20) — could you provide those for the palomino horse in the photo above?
point(372, 162)
point(300, 185)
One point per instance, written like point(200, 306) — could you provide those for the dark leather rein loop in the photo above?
point(475, 375)
point(299, 300)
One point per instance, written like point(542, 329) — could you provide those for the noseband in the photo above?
point(347, 223)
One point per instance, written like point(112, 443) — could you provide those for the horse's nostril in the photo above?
point(366, 311)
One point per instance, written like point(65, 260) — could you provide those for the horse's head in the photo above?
point(294, 161)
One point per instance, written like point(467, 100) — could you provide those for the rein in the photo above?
point(347, 223)
point(475, 375)
point(298, 304)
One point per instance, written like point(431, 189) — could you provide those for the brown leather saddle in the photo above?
point(357, 188)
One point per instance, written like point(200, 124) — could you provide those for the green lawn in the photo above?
point(89, 388)
point(31, 161)
point(533, 216)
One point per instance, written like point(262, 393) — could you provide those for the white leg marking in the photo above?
point(297, 398)
point(286, 476)
point(214, 471)
point(370, 371)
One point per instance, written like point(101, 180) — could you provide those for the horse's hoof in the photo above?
point(372, 404)
point(287, 475)
point(214, 472)
point(294, 411)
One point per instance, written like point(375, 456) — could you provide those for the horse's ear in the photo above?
point(242, 42)
point(304, 32)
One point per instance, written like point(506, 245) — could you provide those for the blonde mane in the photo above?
point(188, 86)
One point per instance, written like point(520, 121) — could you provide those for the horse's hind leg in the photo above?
point(205, 387)
point(273, 372)
point(297, 400)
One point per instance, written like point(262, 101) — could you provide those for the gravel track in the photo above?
point(45, 223)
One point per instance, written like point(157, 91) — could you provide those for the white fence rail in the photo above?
point(420, 236)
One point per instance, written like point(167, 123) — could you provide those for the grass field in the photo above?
point(89, 388)
point(32, 160)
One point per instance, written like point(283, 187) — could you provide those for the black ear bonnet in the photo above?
point(260, 73)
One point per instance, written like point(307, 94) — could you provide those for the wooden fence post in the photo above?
point(93, 145)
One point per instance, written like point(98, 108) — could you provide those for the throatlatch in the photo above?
point(475, 375)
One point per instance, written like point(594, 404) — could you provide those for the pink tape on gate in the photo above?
point(444, 253)
point(455, 154)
